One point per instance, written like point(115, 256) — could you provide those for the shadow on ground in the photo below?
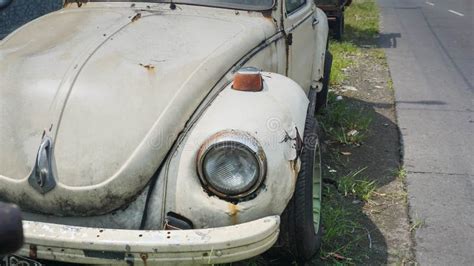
point(379, 155)
point(367, 38)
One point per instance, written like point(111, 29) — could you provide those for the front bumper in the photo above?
point(111, 246)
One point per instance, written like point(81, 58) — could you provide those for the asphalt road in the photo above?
point(430, 50)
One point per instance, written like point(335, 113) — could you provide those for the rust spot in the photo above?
point(144, 258)
point(136, 17)
point(233, 211)
point(33, 251)
point(78, 2)
point(295, 169)
point(267, 14)
point(148, 67)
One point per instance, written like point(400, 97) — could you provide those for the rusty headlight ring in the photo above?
point(232, 142)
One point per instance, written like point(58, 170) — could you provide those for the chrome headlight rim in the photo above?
point(233, 138)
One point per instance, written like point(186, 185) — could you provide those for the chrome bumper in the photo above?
point(111, 246)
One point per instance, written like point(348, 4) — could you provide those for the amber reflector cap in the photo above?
point(248, 79)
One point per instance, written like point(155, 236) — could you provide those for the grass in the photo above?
point(362, 29)
point(344, 235)
point(345, 239)
point(362, 22)
point(390, 84)
point(345, 123)
point(352, 184)
point(416, 224)
point(341, 59)
point(401, 173)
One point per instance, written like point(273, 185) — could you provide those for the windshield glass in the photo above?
point(236, 4)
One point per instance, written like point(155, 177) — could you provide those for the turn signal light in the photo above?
point(248, 79)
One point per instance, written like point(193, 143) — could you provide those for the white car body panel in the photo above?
point(114, 109)
point(128, 100)
point(275, 117)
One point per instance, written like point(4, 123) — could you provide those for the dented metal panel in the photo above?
point(274, 117)
point(112, 96)
point(106, 246)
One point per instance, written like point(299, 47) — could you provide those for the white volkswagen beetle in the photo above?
point(165, 131)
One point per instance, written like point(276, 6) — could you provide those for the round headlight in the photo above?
point(231, 164)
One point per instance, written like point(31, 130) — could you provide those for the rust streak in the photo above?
point(295, 169)
point(267, 14)
point(148, 67)
point(33, 251)
point(233, 211)
point(136, 17)
point(144, 257)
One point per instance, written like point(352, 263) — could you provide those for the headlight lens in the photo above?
point(231, 164)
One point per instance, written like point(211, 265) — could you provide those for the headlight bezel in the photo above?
point(233, 138)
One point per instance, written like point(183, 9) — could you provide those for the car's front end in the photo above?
point(217, 198)
point(125, 140)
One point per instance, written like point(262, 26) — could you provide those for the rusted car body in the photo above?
point(114, 115)
point(334, 10)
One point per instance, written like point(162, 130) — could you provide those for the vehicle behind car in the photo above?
point(334, 10)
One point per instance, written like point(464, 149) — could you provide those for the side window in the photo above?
point(292, 5)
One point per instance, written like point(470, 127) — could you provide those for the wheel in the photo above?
point(322, 96)
point(339, 27)
point(300, 229)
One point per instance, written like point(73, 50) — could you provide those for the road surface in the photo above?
point(430, 51)
point(20, 12)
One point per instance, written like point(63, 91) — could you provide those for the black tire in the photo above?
point(300, 238)
point(339, 27)
point(322, 96)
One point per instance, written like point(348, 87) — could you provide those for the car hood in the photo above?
point(112, 87)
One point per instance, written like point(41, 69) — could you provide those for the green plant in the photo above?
point(345, 123)
point(361, 188)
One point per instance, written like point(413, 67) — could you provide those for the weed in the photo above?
point(361, 188)
point(362, 22)
point(400, 173)
point(362, 29)
point(340, 229)
point(416, 224)
point(344, 123)
point(390, 84)
point(342, 60)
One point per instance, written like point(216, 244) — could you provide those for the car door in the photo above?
point(299, 27)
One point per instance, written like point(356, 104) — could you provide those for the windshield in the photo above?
point(235, 4)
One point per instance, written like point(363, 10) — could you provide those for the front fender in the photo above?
point(271, 116)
